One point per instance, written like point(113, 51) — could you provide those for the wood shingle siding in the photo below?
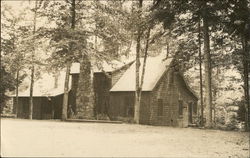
point(160, 105)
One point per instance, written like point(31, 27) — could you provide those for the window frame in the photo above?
point(128, 106)
point(195, 108)
point(180, 107)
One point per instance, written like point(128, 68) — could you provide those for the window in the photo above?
point(180, 107)
point(128, 103)
point(195, 107)
point(160, 107)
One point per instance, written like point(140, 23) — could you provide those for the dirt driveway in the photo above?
point(55, 138)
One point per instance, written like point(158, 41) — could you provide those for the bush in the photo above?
point(125, 119)
point(241, 113)
point(102, 117)
point(232, 125)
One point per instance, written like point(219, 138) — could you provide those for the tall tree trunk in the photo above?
point(17, 86)
point(246, 60)
point(66, 92)
point(208, 89)
point(68, 65)
point(31, 93)
point(32, 67)
point(200, 65)
point(144, 63)
point(95, 91)
point(215, 93)
point(137, 70)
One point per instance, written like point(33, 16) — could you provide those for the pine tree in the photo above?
point(237, 25)
point(32, 66)
point(208, 12)
point(137, 67)
point(14, 47)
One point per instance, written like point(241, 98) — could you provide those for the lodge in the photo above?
point(166, 97)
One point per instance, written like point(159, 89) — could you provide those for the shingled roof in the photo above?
point(104, 66)
point(155, 68)
point(44, 87)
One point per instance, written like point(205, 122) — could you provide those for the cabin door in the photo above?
point(190, 115)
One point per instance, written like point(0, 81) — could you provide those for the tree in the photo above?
point(7, 84)
point(68, 66)
point(67, 42)
point(70, 41)
point(200, 66)
point(237, 24)
point(118, 36)
point(145, 23)
point(207, 61)
point(137, 67)
point(209, 12)
point(32, 66)
point(12, 46)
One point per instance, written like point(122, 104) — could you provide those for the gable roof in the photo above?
point(102, 67)
point(187, 86)
point(44, 87)
point(155, 68)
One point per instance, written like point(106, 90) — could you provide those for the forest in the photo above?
point(209, 39)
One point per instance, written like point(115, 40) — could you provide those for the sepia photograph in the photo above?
point(125, 78)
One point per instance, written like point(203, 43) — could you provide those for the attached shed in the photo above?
point(166, 98)
point(45, 106)
point(47, 98)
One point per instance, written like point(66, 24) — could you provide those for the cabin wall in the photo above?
point(165, 92)
point(43, 107)
point(73, 91)
point(189, 103)
point(23, 108)
point(122, 105)
point(102, 85)
point(57, 103)
point(169, 92)
point(145, 108)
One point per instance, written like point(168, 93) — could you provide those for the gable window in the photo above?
point(180, 107)
point(160, 107)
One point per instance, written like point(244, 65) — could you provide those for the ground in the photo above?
point(67, 139)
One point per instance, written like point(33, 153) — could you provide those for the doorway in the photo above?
point(190, 113)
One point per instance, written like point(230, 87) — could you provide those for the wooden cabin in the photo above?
point(166, 98)
point(47, 98)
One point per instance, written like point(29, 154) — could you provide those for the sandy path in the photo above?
point(55, 138)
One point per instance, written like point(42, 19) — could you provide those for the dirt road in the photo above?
point(55, 138)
